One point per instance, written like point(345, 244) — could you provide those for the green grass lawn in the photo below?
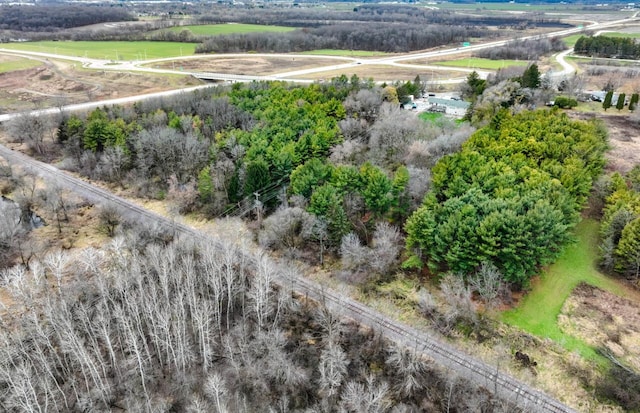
point(538, 311)
point(621, 34)
point(230, 28)
point(18, 64)
point(430, 116)
point(346, 53)
point(479, 63)
point(108, 50)
point(570, 41)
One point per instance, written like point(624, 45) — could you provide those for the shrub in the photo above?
point(565, 102)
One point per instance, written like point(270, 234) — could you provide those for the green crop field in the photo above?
point(479, 63)
point(538, 311)
point(108, 50)
point(230, 28)
point(346, 53)
point(18, 64)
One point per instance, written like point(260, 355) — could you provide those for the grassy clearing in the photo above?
point(18, 64)
point(621, 34)
point(538, 311)
point(430, 116)
point(346, 53)
point(570, 41)
point(479, 63)
point(230, 28)
point(108, 50)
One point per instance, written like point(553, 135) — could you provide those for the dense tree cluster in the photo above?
point(386, 37)
point(510, 197)
point(605, 46)
point(352, 159)
point(45, 18)
point(140, 326)
point(620, 227)
point(530, 49)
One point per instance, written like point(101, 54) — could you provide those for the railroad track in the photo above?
point(507, 387)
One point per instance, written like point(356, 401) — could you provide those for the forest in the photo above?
point(49, 18)
point(605, 46)
point(177, 326)
point(510, 197)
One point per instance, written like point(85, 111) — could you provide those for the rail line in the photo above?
point(442, 353)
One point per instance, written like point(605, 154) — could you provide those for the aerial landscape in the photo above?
point(307, 206)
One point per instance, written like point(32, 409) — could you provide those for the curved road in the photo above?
point(447, 356)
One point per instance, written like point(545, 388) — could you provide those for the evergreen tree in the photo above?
point(620, 102)
point(607, 100)
point(633, 103)
point(531, 77)
point(475, 86)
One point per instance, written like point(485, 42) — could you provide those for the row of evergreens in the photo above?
point(605, 46)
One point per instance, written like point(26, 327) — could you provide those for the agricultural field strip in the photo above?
point(441, 352)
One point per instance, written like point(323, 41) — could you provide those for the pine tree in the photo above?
point(607, 100)
point(531, 77)
point(620, 102)
point(633, 103)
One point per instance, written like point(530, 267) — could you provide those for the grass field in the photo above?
point(570, 41)
point(346, 53)
point(18, 64)
point(538, 311)
point(108, 50)
point(230, 28)
point(479, 63)
point(430, 116)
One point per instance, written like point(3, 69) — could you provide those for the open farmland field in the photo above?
point(230, 28)
point(479, 63)
point(13, 63)
point(108, 50)
point(248, 65)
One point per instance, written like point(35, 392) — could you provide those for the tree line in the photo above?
point(529, 49)
point(620, 225)
point(386, 37)
point(510, 197)
point(605, 46)
point(53, 17)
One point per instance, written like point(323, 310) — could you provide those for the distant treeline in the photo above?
point(386, 37)
point(368, 13)
point(55, 17)
point(604, 46)
point(530, 49)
